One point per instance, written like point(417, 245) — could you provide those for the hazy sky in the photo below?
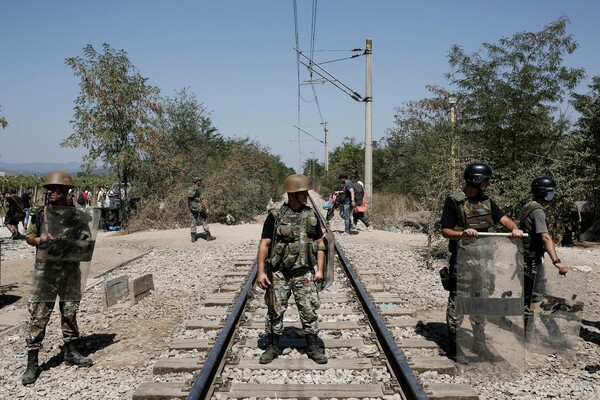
point(238, 58)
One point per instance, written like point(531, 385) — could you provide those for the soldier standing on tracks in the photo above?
point(64, 241)
point(198, 209)
point(292, 239)
point(465, 214)
point(533, 221)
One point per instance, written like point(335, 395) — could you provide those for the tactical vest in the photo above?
point(195, 198)
point(294, 244)
point(532, 246)
point(473, 215)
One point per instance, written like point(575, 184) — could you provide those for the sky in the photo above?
point(238, 58)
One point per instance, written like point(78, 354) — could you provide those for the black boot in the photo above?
point(455, 352)
point(313, 351)
point(33, 370)
point(73, 357)
point(194, 238)
point(272, 350)
point(479, 346)
point(209, 237)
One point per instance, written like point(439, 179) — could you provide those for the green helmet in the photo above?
point(296, 183)
point(58, 178)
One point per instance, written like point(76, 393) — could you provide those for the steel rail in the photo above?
point(407, 380)
point(204, 381)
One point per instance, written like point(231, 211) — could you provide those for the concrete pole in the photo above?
point(454, 144)
point(368, 125)
point(326, 148)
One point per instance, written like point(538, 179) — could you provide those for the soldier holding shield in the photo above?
point(64, 238)
point(465, 215)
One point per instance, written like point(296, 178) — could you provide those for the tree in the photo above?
point(3, 122)
point(113, 110)
point(587, 141)
point(509, 94)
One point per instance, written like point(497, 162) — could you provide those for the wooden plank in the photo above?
point(304, 391)
point(160, 391)
point(116, 289)
point(218, 302)
point(433, 363)
point(402, 323)
point(176, 365)
point(227, 288)
point(262, 311)
point(212, 311)
point(192, 344)
point(301, 364)
point(450, 391)
point(340, 325)
point(417, 343)
point(286, 342)
point(375, 287)
point(204, 324)
point(224, 296)
point(395, 311)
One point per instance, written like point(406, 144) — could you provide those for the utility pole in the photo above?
point(326, 148)
point(452, 100)
point(368, 125)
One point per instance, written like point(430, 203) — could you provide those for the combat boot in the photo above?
point(272, 350)
point(479, 346)
point(194, 238)
point(209, 237)
point(455, 352)
point(313, 351)
point(31, 374)
point(73, 357)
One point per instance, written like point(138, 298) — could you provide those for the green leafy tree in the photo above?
point(113, 110)
point(3, 122)
point(509, 93)
point(587, 142)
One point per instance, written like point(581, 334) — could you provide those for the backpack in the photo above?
point(359, 194)
point(81, 199)
point(19, 209)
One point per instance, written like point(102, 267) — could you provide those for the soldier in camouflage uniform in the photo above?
point(56, 272)
point(533, 221)
point(465, 214)
point(293, 239)
point(198, 209)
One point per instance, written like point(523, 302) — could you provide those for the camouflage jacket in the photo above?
point(194, 197)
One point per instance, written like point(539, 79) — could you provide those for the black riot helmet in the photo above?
point(543, 187)
point(476, 173)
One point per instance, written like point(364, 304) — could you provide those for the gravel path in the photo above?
point(125, 341)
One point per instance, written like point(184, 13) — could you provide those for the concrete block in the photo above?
point(141, 287)
point(116, 289)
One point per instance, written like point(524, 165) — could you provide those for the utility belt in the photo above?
point(294, 273)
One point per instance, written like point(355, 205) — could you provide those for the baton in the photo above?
point(501, 234)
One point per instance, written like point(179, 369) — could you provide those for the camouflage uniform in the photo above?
point(197, 213)
point(57, 271)
point(294, 257)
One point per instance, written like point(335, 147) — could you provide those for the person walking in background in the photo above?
point(292, 239)
point(27, 204)
point(198, 209)
point(465, 214)
point(349, 203)
point(359, 210)
point(15, 212)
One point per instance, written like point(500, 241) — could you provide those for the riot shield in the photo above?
point(554, 316)
point(329, 262)
point(489, 304)
point(63, 257)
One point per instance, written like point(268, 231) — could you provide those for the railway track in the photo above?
point(356, 315)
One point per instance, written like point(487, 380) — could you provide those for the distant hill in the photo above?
point(41, 168)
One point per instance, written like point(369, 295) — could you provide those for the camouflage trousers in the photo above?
point(198, 218)
point(534, 278)
point(35, 330)
point(300, 283)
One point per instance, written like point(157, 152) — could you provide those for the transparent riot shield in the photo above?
point(556, 310)
point(329, 262)
point(64, 255)
point(489, 304)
